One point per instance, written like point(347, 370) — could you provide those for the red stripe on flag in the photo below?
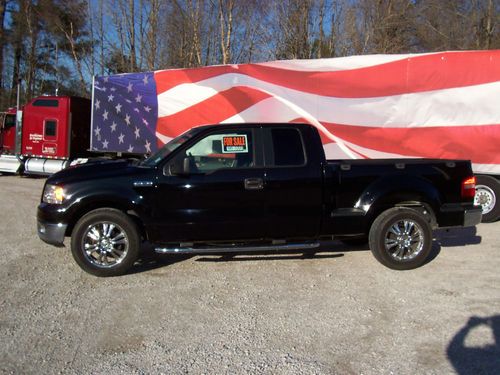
point(479, 143)
point(415, 74)
point(211, 111)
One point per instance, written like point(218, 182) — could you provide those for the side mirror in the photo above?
point(180, 167)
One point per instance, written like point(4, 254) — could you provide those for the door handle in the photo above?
point(254, 183)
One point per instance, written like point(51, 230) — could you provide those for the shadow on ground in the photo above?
point(442, 238)
point(457, 236)
point(150, 260)
point(470, 358)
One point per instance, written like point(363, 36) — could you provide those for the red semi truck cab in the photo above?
point(55, 129)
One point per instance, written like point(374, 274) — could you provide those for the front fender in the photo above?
point(88, 198)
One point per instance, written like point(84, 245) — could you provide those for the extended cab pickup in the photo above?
point(252, 187)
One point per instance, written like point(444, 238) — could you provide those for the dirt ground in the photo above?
point(334, 312)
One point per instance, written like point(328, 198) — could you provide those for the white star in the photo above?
point(137, 132)
point(106, 79)
point(97, 104)
point(113, 88)
point(120, 138)
point(148, 146)
point(105, 115)
point(130, 148)
point(128, 100)
point(145, 80)
point(97, 132)
point(105, 144)
point(104, 89)
point(138, 98)
point(136, 110)
point(110, 98)
point(145, 122)
point(127, 119)
point(118, 108)
point(113, 127)
point(147, 108)
point(129, 87)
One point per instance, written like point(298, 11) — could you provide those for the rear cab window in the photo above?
point(285, 148)
point(46, 103)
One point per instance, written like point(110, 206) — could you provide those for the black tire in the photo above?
point(406, 251)
point(488, 196)
point(112, 239)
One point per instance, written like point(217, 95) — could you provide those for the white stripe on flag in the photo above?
point(472, 105)
point(339, 63)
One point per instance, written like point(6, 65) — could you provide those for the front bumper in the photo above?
point(50, 233)
point(52, 222)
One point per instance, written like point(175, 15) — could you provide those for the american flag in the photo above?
point(124, 113)
point(436, 105)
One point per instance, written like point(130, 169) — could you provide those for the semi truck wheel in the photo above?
point(105, 242)
point(401, 238)
point(488, 196)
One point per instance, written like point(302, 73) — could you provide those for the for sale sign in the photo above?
point(234, 144)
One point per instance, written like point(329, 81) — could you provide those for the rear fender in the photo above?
point(402, 191)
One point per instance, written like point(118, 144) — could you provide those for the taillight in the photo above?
point(468, 188)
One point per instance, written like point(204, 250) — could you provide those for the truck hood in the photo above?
point(98, 170)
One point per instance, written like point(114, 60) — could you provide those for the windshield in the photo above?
point(166, 150)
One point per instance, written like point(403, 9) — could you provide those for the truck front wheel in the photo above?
point(401, 238)
point(105, 242)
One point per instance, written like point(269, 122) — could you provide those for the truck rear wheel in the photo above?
point(488, 196)
point(105, 242)
point(401, 238)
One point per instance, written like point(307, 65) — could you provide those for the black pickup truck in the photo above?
point(252, 187)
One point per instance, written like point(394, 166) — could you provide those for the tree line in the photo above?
point(54, 46)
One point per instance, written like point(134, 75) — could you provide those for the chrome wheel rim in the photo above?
point(485, 197)
point(105, 244)
point(404, 239)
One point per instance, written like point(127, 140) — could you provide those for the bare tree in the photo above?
point(152, 32)
point(3, 6)
point(226, 9)
point(457, 25)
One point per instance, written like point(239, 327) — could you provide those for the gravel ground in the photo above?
point(334, 312)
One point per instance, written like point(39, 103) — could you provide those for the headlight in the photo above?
point(53, 194)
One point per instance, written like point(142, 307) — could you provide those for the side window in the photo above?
point(224, 149)
point(10, 121)
point(288, 147)
point(50, 129)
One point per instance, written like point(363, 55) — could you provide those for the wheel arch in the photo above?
point(414, 202)
point(424, 199)
point(393, 189)
point(105, 202)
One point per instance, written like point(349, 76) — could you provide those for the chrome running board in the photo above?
point(228, 249)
